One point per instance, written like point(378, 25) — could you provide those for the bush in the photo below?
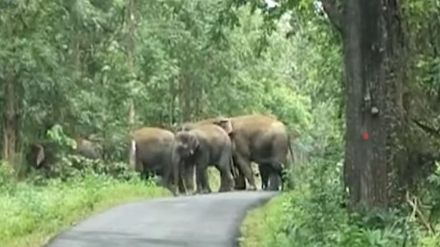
point(32, 211)
point(313, 214)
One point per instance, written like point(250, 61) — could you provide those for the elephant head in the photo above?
point(87, 148)
point(36, 155)
point(186, 144)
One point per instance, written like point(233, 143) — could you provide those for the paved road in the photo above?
point(203, 220)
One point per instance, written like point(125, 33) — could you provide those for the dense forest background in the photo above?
point(88, 65)
point(98, 69)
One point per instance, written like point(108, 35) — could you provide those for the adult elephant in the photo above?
point(153, 154)
point(256, 138)
point(87, 148)
point(44, 153)
point(36, 155)
point(200, 147)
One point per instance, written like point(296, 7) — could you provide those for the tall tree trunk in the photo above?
point(185, 97)
point(372, 38)
point(131, 25)
point(10, 123)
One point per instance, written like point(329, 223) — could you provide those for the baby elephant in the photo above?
point(204, 146)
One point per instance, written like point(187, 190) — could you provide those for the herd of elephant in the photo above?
point(229, 144)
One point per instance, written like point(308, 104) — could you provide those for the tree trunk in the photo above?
point(372, 38)
point(132, 149)
point(10, 123)
point(131, 25)
point(185, 98)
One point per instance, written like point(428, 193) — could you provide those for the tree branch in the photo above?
point(428, 129)
point(334, 14)
point(416, 211)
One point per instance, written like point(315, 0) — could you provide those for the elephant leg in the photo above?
point(140, 168)
point(189, 178)
point(202, 180)
point(240, 182)
point(264, 174)
point(186, 180)
point(205, 181)
point(275, 176)
point(245, 166)
point(279, 163)
point(146, 174)
point(227, 180)
point(275, 181)
point(170, 181)
point(239, 179)
point(182, 186)
point(199, 181)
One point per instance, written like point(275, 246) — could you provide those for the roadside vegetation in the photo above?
point(344, 190)
point(32, 211)
point(97, 70)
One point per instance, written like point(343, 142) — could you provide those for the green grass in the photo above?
point(261, 224)
point(30, 215)
point(214, 177)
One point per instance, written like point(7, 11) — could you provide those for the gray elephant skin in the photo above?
point(256, 138)
point(200, 147)
point(153, 154)
point(88, 149)
point(42, 154)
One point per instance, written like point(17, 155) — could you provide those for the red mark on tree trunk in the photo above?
point(365, 136)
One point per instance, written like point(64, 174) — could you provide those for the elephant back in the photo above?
point(152, 134)
point(211, 132)
point(153, 147)
point(254, 125)
point(149, 140)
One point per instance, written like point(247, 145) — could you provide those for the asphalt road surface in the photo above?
point(209, 220)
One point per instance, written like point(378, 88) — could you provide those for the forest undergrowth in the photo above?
point(314, 213)
point(100, 69)
point(35, 209)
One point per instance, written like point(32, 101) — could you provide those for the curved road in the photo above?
point(208, 220)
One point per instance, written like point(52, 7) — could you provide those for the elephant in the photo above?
point(258, 138)
point(153, 154)
point(269, 178)
point(203, 146)
point(87, 148)
point(36, 155)
point(220, 121)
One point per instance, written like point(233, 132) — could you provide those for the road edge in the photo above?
point(258, 203)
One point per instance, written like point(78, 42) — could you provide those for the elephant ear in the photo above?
point(226, 124)
point(196, 144)
point(193, 143)
point(36, 155)
point(40, 155)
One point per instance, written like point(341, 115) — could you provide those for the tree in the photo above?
point(131, 31)
point(373, 60)
point(373, 53)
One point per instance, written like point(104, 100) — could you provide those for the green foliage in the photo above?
point(313, 215)
point(314, 212)
point(57, 135)
point(30, 213)
point(77, 65)
point(71, 63)
point(68, 164)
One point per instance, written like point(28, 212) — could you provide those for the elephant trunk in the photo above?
point(233, 168)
